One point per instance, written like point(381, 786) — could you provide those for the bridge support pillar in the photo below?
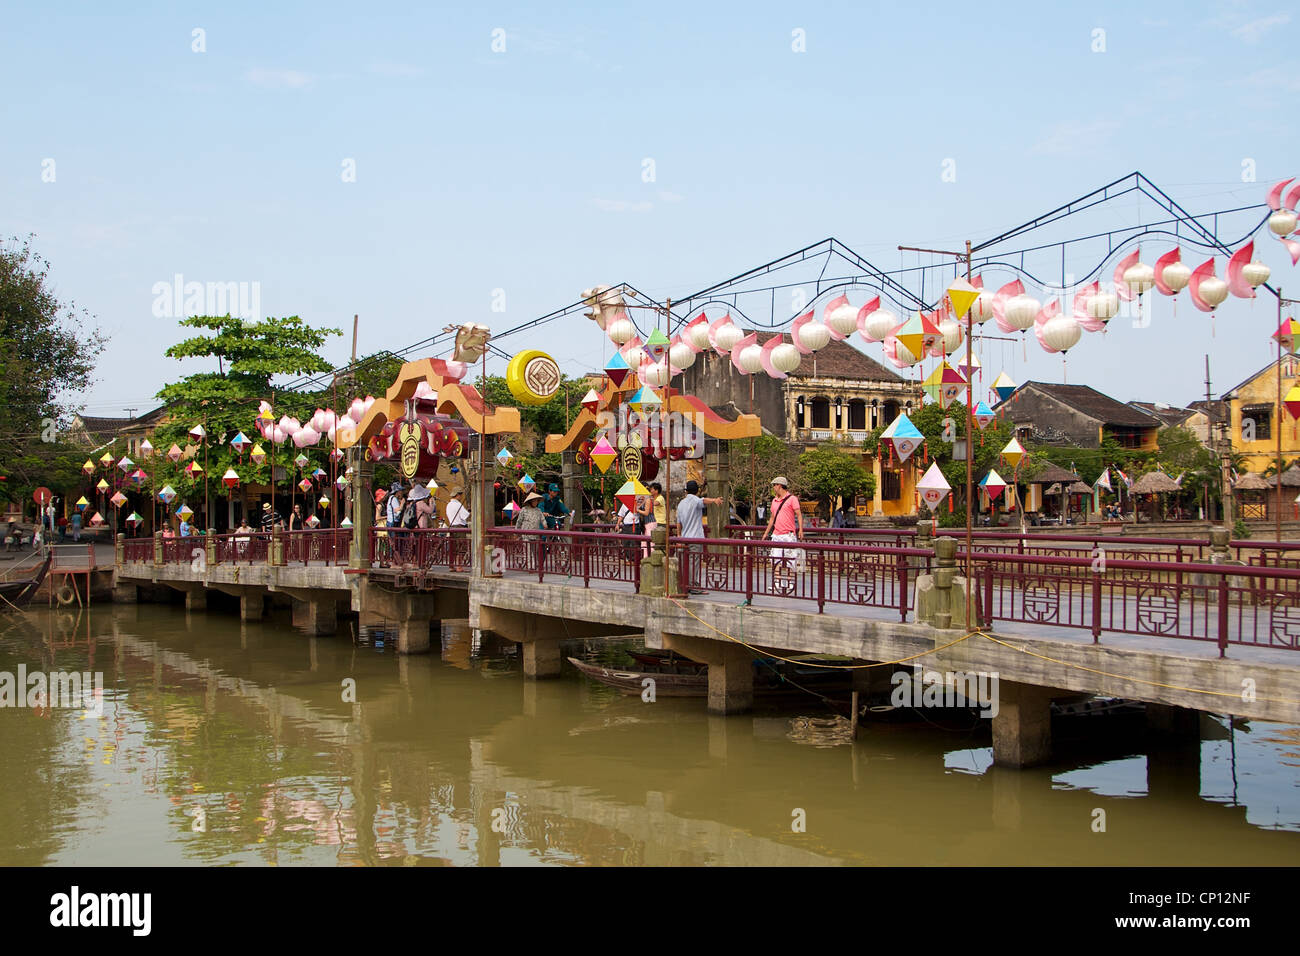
point(252, 605)
point(413, 634)
point(125, 593)
point(731, 671)
point(318, 616)
point(196, 599)
point(1022, 727)
point(1174, 722)
point(541, 659)
point(874, 683)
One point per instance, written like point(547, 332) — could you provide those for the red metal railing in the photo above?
point(811, 571)
point(1225, 604)
point(317, 546)
point(247, 548)
point(569, 554)
point(138, 550)
point(420, 549)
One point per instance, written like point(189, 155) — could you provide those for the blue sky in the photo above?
point(522, 170)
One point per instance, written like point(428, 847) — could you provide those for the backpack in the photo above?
point(408, 517)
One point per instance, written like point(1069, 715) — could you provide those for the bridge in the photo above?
point(1185, 625)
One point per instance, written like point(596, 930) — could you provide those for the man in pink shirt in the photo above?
point(786, 520)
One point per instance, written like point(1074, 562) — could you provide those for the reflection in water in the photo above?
point(224, 742)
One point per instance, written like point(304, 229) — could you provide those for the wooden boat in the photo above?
point(17, 594)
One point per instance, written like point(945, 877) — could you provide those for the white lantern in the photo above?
point(1255, 273)
point(952, 335)
point(1213, 290)
point(699, 335)
point(785, 357)
point(1139, 277)
point(1176, 275)
point(620, 331)
point(879, 324)
point(1282, 222)
point(1062, 332)
point(981, 309)
point(1105, 305)
point(750, 358)
point(813, 335)
point(634, 358)
point(1021, 311)
point(682, 355)
point(904, 354)
point(655, 374)
point(843, 319)
point(727, 337)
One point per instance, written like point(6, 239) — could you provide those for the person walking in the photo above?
point(76, 526)
point(457, 520)
point(785, 523)
point(457, 513)
point(690, 516)
point(295, 518)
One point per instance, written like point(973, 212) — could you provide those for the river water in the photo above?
point(221, 742)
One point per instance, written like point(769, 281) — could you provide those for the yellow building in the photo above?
point(1254, 416)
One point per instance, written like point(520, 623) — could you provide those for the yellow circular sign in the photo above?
point(533, 377)
point(631, 459)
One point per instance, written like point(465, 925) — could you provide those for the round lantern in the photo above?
point(785, 357)
point(682, 355)
point(1213, 290)
point(952, 335)
point(1176, 275)
point(635, 358)
point(1062, 333)
point(904, 354)
point(727, 337)
point(1139, 277)
point(699, 335)
point(750, 358)
point(1282, 222)
point(620, 330)
point(814, 335)
point(843, 319)
point(879, 324)
point(1255, 273)
point(981, 309)
point(1021, 311)
point(1105, 305)
point(533, 377)
point(655, 374)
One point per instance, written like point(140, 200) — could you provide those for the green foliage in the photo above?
point(47, 354)
point(1181, 452)
point(828, 471)
point(249, 355)
point(756, 461)
point(1240, 530)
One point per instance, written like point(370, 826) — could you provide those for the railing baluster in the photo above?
point(1096, 607)
point(1223, 615)
point(821, 581)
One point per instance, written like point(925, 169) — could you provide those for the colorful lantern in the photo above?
point(185, 512)
point(167, 494)
point(134, 518)
point(341, 482)
point(993, 485)
point(962, 295)
point(313, 522)
point(944, 384)
point(88, 467)
point(126, 464)
point(617, 369)
point(82, 503)
point(102, 486)
point(139, 477)
point(628, 493)
point(198, 433)
point(526, 483)
point(657, 345)
point(305, 485)
point(902, 437)
point(1013, 452)
point(345, 523)
point(603, 454)
point(644, 400)
point(118, 499)
point(1003, 386)
point(510, 508)
point(432, 485)
point(933, 487)
point(240, 442)
point(106, 460)
point(1287, 334)
point(230, 478)
point(258, 454)
point(96, 520)
point(982, 415)
point(302, 461)
point(323, 501)
point(174, 453)
point(1292, 401)
point(504, 456)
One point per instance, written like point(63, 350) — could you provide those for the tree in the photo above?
point(831, 472)
point(249, 355)
point(770, 456)
point(47, 353)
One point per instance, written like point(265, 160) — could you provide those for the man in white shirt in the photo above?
point(457, 517)
point(690, 515)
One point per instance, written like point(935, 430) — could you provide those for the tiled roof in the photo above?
point(1094, 404)
point(1168, 414)
point(837, 360)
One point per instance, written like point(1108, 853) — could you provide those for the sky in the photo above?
point(427, 165)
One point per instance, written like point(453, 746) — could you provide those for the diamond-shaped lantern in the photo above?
point(146, 448)
point(341, 482)
point(88, 467)
point(96, 520)
point(106, 460)
point(139, 477)
point(174, 453)
point(305, 484)
point(629, 492)
point(240, 442)
point(82, 503)
point(134, 518)
point(526, 483)
point(126, 464)
point(318, 474)
point(656, 345)
point(302, 461)
point(323, 501)
point(102, 485)
point(504, 456)
point(185, 512)
point(345, 523)
point(603, 454)
point(118, 499)
point(198, 432)
point(313, 522)
point(167, 494)
point(258, 454)
point(591, 401)
point(432, 485)
point(230, 478)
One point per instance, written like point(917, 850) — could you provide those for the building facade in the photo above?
point(1254, 416)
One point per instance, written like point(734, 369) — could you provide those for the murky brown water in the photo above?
point(222, 742)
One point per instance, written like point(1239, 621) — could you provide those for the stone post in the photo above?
point(717, 484)
point(945, 553)
point(571, 483)
point(479, 480)
point(119, 549)
point(276, 552)
point(210, 550)
point(158, 549)
point(656, 571)
point(363, 508)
